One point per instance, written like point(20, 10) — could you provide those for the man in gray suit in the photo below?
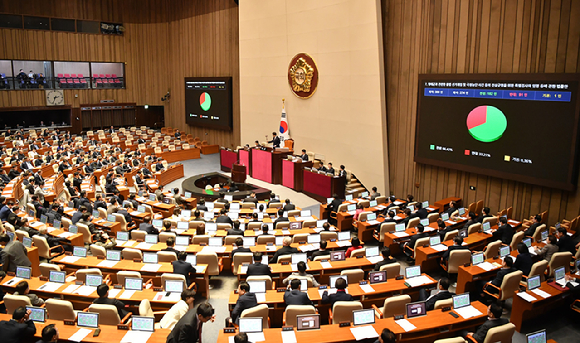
point(14, 254)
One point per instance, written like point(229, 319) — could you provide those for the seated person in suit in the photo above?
point(280, 218)
point(484, 214)
point(103, 299)
point(442, 294)
point(524, 259)
point(288, 206)
point(294, 296)
point(549, 249)
point(389, 218)
point(493, 319)
point(355, 244)
point(49, 334)
point(457, 244)
point(321, 251)
point(148, 227)
point(177, 311)
point(342, 171)
point(304, 156)
point(387, 259)
point(104, 240)
point(18, 329)
point(78, 214)
point(286, 249)
point(22, 288)
point(235, 231)
point(472, 220)
point(239, 246)
point(301, 273)
point(257, 268)
point(245, 301)
point(504, 232)
point(201, 205)
point(387, 336)
point(328, 169)
point(374, 193)
point(565, 242)
point(443, 229)
point(184, 268)
point(251, 198)
point(223, 218)
point(86, 219)
point(170, 242)
point(536, 221)
point(452, 208)
point(506, 268)
point(411, 244)
point(340, 294)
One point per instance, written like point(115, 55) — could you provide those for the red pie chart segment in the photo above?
point(476, 117)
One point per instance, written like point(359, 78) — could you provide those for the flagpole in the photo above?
point(283, 103)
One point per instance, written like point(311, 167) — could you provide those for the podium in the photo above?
point(238, 173)
point(267, 165)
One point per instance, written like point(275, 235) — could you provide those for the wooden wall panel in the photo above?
point(164, 42)
point(472, 36)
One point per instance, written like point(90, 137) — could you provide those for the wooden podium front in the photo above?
point(239, 173)
point(292, 176)
point(267, 165)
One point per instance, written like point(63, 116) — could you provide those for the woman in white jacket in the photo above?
point(178, 310)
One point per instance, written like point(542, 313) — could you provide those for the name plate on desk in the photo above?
point(69, 322)
point(281, 289)
point(360, 256)
point(399, 277)
point(122, 327)
point(285, 263)
point(287, 328)
point(343, 324)
point(229, 330)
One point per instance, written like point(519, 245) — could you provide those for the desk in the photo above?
point(170, 174)
point(436, 324)
point(322, 186)
point(392, 240)
point(267, 165)
point(444, 203)
point(292, 175)
point(210, 149)
point(227, 159)
point(180, 155)
point(109, 333)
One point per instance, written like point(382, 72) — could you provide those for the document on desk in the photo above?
point(467, 312)
point(135, 213)
point(400, 234)
point(380, 207)
point(50, 286)
point(532, 250)
point(418, 281)
point(397, 203)
point(85, 290)
point(284, 232)
point(144, 245)
point(325, 265)
point(107, 264)
point(260, 297)
point(72, 288)
point(114, 292)
point(405, 325)
point(343, 243)
point(126, 294)
point(243, 269)
point(367, 288)
point(128, 244)
point(136, 336)
point(65, 235)
point(288, 336)
point(374, 222)
point(428, 229)
point(256, 337)
point(352, 213)
point(364, 332)
point(486, 266)
point(301, 219)
point(13, 281)
point(375, 259)
point(397, 218)
point(527, 296)
point(513, 222)
point(208, 249)
point(70, 259)
point(440, 247)
point(541, 293)
point(271, 248)
point(79, 335)
point(150, 267)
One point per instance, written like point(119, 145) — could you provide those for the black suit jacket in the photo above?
point(289, 207)
point(240, 249)
point(451, 248)
point(304, 158)
point(524, 263)
point(481, 332)
point(421, 213)
point(480, 219)
point(280, 220)
point(531, 230)
point(186, 330)
point(185, 269)
point(384, 262)
point(150, 229)
point(275, 142)
point(258, 269)
point(320, 253)
point(334, 204)
point(14, 332)
point(505, 233)
point(566, 243)
point(296, 297)
point(442, 295)
point(118, 304)
point(281, 252)
point(251, 199)
point(233, 232)
point(224, 219)
point(500, 275)
point(417, 236)
point(338, 296)
point(245, 301)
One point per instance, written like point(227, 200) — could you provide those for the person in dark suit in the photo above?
point(294, 296)
point(374, 193)
point(201, 205)
point(411, 244)
point(442, 294)
point(223, 218)
point(336, 202)
point(340, 294)
point(321, 251)
point(507, 267)
point(493, 319)
point(280, 218)
point(103, 299)
point(286, 249)
point(170, 242)
point(565, 242)
point(443, 229)
point(235, 230)
point(329, 169)
point(177, 134)
point(304, 156)
point(275, 140)
point(536, 221)
point(245, 301)
point(484, 214)
point(257, 268)
point(18, 329)
point(387, 259)
point(342, 171)
point(504, 232)
point(288, 206)
point(524, 259)
point(99, 203)
point(452, 208)
point(6, 210)
point(420, 213)
point(239, 247)
point(251, 198)
point(188, 328)
point(3, 176)
point(184, 268)
point(457, 244)
point(472, 220)
point(148, 227)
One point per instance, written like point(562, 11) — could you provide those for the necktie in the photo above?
point(200, 326)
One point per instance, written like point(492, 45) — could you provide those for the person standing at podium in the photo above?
point(304, 156)
point(275, 140)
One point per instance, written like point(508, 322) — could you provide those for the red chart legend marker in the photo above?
point(467, 152)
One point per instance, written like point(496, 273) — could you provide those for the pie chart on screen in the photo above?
point(205, 101)
point(486, 123)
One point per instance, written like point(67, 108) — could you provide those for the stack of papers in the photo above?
point(364, 332)
point(375, 259)
point(541, 293)
point(69, 259)
point(136, 336)
point(352, 213)
point(367, 288)
point(397, 203)
point(468, 312)
point(405, 325)
point(330, 291)
point(260, 297)
point(307, 247)
point(343, 243)
point(526, 296)
point(144, 246)
point(65, 234)
point(486, 266)
point(271, 248)
point(284, 232)
point(287, 336)
point(50, 286)
point(13, 281)
point(418, 281)
point(397, 218)
point(243, 269)
point(449, 222)
point(150, 267)
point(561, 282)
point(440, 247)
point(85, 290)
point(374, 222)
point(72, 288)
point(114, 292)
point(127, 295)
point(429, 229)
point(400, 234)
point(79, 335)
point(208, 249)
point(325, 265)
point(107, 264)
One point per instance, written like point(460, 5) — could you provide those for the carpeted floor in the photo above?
point(562, 324)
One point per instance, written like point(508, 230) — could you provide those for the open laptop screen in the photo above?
point(536, 337)
point(363, 317)
point(416, 309)
point(88, 319)
point(461, 300)
point(250, 324)
point(142, 323)
point(308, 322)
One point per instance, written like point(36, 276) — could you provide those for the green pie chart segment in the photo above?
point(486, 123)
point(205, 101)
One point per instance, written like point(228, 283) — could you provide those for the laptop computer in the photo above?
point(249, 241)
point(425, 204)
point(411, 208)
point(27, 242)
point(504, 251)
point(424, 222)
point(434, 240)
point(151, 239)
point(527, 241)
point(377, 277)
point(174, 286)
point(305, 213)
point(444, 216)
point(43, 218)
point(363, 317)
point(235, 206)
point(79, 251)
point(348, 197)
point(560, 276)
point(544, 235)
point(337, 255)
point(186, 213)
point(536, 337)
point(37, 314)
point(229, 198)
point(113, 255)
point(343, 236)
point(93, 280)
point(73, 229)
point(299, 257)
point(24, 272)
point(187, 195)
point(477, 258)
point(461, 211)
point(373, 203)
point(111, 218)
point(122, 236)
point(257, 286)
point(152, 197)
point(461, 300)
point(192, 259)
point(534, 282)
point(183, 225)
point(372, 251)
point(279, 240)
point(486, 227)
point(251, 324)
point(182, 240)
point(462, 233)
point(295, 225)
point(320, 222)
point(56, 224)
point(133, 284)
point(313, 238)
point(400, 227)
point(56, 276)
point(210, 227)
point(307, 322)
point(411, 272)
point(141, 209)
point(215, 241)
point(158, 223)
point(150, 257)
point(416, 309)
point(88, 320)
point(139, 323)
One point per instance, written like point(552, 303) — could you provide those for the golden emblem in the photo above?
point(303, 76)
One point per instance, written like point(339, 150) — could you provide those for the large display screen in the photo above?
point(208, 102)
point(522, 127)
